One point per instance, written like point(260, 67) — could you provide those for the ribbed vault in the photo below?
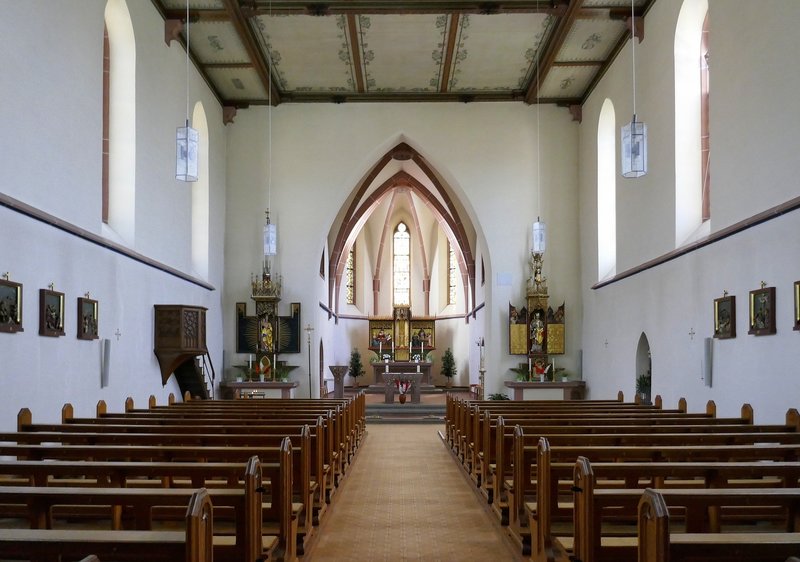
point(424, 183)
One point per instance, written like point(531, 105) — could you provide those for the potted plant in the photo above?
point(356, 368)
point(498, 396)
point(643, 387)
point(448, 366)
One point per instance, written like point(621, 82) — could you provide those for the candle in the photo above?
point(392, 347)
point(529, 364)
point(249, 361)
point(422, 352)
point(380, 348)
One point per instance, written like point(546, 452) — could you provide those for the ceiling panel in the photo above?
point(591, 40)
point(497, 52)
point(567, 81)
point(237, 83)
point(308, 53)
point(402, 53)
point(216, 42)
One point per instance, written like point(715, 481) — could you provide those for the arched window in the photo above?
point(200, 196)
point(106, 103)
point(606, 192)
point(452, 274)
point(401, 265)
point(705, 138)
point(350, 277)
point(689, 153)
point(120, 198)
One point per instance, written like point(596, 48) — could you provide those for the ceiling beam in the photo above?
point(197, 15)
point(355, 53)
point(258, 59)
point(557, 38)
point(373, 7)
point(447, 64)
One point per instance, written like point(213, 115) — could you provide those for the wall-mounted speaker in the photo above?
point(105, 362)
point(708, 360)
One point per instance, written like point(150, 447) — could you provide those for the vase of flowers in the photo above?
point(403, 386)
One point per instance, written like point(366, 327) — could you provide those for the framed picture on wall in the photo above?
point(797, 305)
point(10, 306)
point(725, 317)
point(762, 311)
point(51, 313)
point(87, 319)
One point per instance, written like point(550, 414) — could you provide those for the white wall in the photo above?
point(485, 152)
point(50, 158)
point(753, 135)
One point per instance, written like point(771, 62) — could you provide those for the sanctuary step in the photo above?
point(405, 413)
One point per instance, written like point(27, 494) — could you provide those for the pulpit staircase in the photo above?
point(190, 376)
point(180, 347)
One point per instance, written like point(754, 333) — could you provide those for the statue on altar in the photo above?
point(537, 333)
point(266, 342)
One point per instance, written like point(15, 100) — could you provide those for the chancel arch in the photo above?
point(403, 187)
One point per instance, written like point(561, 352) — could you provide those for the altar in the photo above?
point(391, 381)
point(422, 367)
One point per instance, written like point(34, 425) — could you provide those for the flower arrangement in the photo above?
point(403, 386)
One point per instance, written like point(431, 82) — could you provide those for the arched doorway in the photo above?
point(643, 370)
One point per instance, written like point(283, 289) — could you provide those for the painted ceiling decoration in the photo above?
point(395, 50)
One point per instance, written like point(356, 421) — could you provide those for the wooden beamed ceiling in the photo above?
point(533, 51)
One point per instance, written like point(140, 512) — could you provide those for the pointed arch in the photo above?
point(367, 198)
point(121, 199)
point(606, 192)
point(200, 195)
point(688, 121)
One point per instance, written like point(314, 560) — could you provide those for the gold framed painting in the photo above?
point(762, 312)
point(725, 317)
point(51, 313)
point(87, 319)
point(797, 305)
point(10, 306)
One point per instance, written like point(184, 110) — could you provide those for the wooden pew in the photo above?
point(698, 475)
point(499, 432)
point(275, 507)
point(593, 504)
point(191, 545)
point(659, 426)
point(606, 448)
point(656, 543)
point(334, 432)
point(179, 453)
point(232, 434)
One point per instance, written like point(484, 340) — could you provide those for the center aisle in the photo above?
point(406, 499)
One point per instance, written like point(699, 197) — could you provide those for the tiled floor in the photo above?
point(406, 499)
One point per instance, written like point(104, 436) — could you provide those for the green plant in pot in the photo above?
point(356, 367)
point(448, 366)
point(643, 387)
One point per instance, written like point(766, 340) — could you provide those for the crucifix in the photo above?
point(691, 333)
point(309, 328)
point(118, 334)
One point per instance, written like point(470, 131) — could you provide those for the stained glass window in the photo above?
point(401, 266)
point(350, 277)
point(451, 274)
